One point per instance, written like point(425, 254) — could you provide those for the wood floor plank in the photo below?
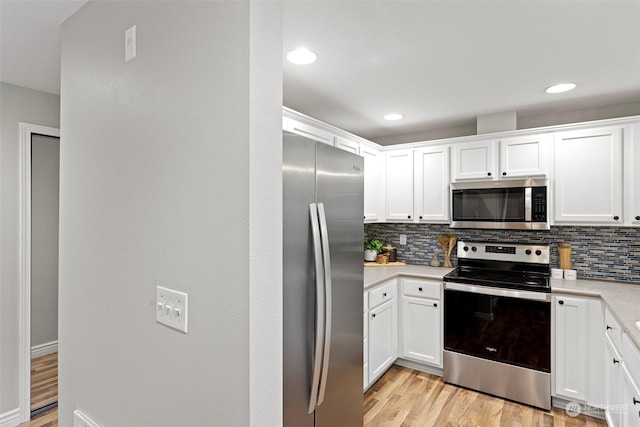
point(44, 380)
point(408, 398)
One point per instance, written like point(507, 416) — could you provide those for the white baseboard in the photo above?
point(43, 349)
point(10, 418)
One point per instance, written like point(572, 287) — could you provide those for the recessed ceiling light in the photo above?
point(559, 88)
point(393, 116)
point(302, 56)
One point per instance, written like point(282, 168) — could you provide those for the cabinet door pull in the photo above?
point(488, 173)
point(409, 216)
point(420, 216)
point(435, 304)
point(373, 315)
point(616, 217)
point(561, 302)
point(384, 294)
point(638, 218)
point(609, 327)
point(615, 361)
point(636, 401)
point(420, 289)
point(504, 174)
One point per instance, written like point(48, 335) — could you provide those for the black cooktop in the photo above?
point(522, 280)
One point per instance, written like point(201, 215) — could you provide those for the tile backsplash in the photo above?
point(606, 253)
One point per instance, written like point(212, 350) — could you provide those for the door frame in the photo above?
point(27, 130)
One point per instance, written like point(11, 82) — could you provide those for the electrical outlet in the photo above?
point(81, 420)
point(171, 308)
point(403, 239)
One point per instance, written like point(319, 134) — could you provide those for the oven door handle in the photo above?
point(500, 292)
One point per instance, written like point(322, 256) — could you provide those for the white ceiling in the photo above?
point(440, 63)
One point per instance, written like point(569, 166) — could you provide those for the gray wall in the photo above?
point(45, 171)
point(16, 105)
point(156, 189)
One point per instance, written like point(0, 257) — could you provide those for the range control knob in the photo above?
point(465, 248)
point(473, 248)
point(538, 252)
point(528, 252)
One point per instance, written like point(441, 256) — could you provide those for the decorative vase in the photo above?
point(370, 255)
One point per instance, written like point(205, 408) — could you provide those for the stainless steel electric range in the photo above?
point(497, 321)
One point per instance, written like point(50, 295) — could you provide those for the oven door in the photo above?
point(512, 327)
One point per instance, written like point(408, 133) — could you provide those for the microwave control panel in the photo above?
point(539, 204)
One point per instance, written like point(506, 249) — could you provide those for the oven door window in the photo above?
point(492, 205)
point(509, 330)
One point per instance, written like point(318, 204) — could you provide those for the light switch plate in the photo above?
point(130, 44)
point(403, 239)
point(171, 308)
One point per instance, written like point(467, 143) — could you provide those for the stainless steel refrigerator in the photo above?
point(323, 191)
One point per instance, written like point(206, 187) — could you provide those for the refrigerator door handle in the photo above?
point(320, 307)
point(324, 234)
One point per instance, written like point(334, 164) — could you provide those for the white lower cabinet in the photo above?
point(578, 323)
point(382, 333)
point(630, 400)
point(613, 384)
point(421, 321)
point(383, 338)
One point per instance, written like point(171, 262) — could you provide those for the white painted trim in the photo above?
point(10, 418)
point(44, 349)
point(24, 263)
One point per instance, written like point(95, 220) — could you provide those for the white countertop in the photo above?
point(376, 275)
point(623, 299)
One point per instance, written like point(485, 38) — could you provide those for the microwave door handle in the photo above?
point(527, 204)
point(320, 307)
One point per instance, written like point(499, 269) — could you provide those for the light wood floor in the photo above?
point(44, 390)
point(44, 380)
point(46, 419)
point(405, 397)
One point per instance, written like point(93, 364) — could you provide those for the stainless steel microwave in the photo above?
point(520, 204)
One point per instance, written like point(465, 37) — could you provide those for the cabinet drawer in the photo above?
point(384, 293)
point(631, 357)
point(613, 329)
point(421, 288)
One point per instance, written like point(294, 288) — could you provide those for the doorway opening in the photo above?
point(39, 201)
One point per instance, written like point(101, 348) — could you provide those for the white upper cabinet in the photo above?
point(373, 183)
point(474, 160)
point(588, 176)
point(308, 131)
point(524, 156)
point(399, 185)
point(632, 177)
point(511, 157)
point(431, 181)
point(347, 145)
